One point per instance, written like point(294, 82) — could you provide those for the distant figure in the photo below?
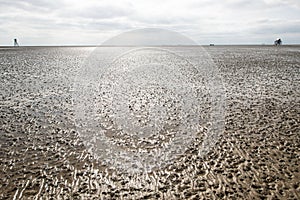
point(277, 42)
point(211, 44)
point(16, 43)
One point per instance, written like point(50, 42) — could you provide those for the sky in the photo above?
point(92, 22)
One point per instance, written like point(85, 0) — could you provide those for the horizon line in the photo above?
point(175, 45)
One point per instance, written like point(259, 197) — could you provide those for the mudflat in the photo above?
point(256, 157)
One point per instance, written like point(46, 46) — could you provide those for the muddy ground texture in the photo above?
point(257, 157)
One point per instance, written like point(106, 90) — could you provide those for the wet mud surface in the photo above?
point(257, 156)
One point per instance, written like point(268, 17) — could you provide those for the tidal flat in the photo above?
point(256, 157)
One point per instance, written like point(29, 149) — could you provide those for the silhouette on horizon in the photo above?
point(278, 41)
point(16, 43)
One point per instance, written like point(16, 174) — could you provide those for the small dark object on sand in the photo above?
point(16, 43)
point(277, 42)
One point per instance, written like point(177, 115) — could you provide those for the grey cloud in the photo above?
point(226, 4)
point(96, 11)
point(232, 20)
point(164, 20)
point(96, 26)
point(32, 5)
point(277, 27)
point(100, 12)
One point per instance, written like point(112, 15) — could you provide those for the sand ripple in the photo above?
point(257, 157)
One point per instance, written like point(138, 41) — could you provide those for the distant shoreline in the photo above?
point(207, 45)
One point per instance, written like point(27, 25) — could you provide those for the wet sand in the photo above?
point(257, 157)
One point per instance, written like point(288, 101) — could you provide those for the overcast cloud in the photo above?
point(66, 22)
